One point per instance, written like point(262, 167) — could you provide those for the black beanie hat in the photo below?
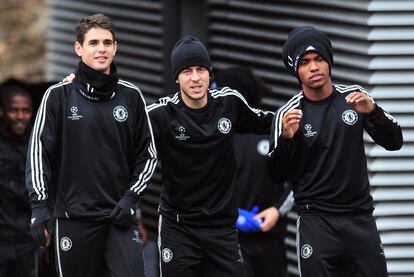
point(302, 40)
point(187, 52)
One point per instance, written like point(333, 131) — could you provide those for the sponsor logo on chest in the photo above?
point(120, 113)
point(224, 126)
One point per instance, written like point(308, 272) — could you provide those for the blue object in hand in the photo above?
point(246, 223)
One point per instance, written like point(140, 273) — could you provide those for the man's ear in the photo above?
point(1, 112)
point(116, 47)
point(78, 48)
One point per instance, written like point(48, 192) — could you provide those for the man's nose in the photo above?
point(20, 115)
point(195, 75)
point(101, 47)
point(314, 65)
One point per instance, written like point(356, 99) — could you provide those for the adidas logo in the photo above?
point(310, 48)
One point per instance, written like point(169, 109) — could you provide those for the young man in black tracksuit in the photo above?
point(17, 248)
point(261, 235)
point(91, 151)
point(194, 130)
point(317, 138)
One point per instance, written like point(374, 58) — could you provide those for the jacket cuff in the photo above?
point(375, 114)
point(131, 195)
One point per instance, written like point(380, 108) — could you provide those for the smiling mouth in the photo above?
point(20, 124)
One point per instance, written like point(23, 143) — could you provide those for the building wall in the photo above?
point(22, 44)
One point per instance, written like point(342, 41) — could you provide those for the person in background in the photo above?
point(17, 248)
point(150, 251)
point(92, 149)
point(317, 141)
point(263, 204)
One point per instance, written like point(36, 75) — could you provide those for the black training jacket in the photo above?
point(87, 152)
point(195, 147)
point(326, 158)
point(15, 209)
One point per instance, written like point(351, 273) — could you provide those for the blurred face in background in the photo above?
point(17, 114)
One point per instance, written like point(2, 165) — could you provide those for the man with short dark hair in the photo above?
point(317, 141)
point(17, 248)
point(92, 146)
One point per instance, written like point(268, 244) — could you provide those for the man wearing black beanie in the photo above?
point(187, 52)
point(193, 131)
point(303, 40)
point(317, 141)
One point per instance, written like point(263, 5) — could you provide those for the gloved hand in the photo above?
point(124, 212)
point(246, 223)
point(39, 222)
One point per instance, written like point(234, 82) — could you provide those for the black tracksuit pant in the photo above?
point(19, 265)
point(97, 248)
point(195, 251)
point(339, 245)
point(263, 255)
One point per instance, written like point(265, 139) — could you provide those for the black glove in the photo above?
point(39, 222)
point(124, 212)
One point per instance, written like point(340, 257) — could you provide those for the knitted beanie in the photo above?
point(303, 40)
point(187, 52)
